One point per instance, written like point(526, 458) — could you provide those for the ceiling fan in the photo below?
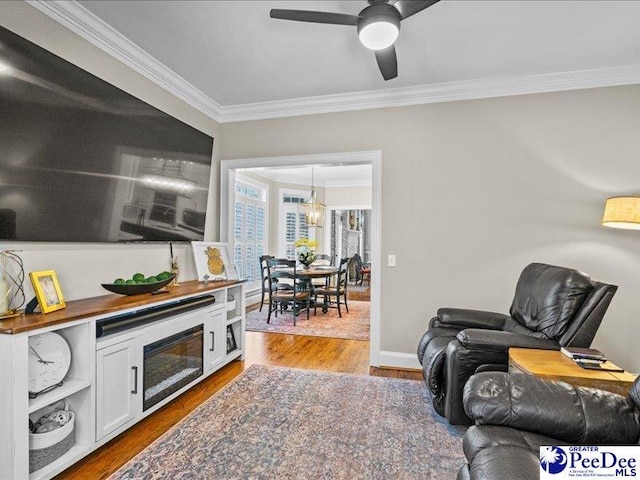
point(378, 26)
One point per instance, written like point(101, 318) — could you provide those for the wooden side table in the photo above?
point(553, 365)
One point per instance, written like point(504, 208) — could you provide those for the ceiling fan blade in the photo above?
point(388, 62)
point(411, 7)
point(315, 17)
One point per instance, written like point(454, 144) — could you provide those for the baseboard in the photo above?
point(252, 298)
point(405, 361)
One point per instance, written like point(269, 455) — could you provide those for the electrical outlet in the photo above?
point(391, 260)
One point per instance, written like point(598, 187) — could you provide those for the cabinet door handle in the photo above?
point(135, 380)
point(213, 342)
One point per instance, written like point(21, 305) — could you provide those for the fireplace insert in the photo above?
point(170, 364)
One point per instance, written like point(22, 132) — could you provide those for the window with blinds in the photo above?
point(293, 223)
point(250, 229)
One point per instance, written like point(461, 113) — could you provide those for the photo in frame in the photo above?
point(213, 261)
point(231, 340)
point(47, 290)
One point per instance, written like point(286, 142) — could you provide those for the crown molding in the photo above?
point(437, 93)
point(81, 21)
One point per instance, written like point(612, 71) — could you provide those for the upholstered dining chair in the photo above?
point(264, 277)
point(337, 291)
point(280, 296)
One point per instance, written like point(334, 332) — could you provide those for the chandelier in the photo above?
point(313, 209)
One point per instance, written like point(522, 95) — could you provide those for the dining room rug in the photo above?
point(353, 325)
point(284, 423)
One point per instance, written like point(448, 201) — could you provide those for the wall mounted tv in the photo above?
point(83, 161)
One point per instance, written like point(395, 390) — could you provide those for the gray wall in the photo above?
point(473, 191)
point(82, 267)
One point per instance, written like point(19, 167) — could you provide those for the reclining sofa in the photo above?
point(553, 307)
point(515, 414)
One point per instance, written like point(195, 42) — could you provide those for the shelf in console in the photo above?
point(234, 319)
point(75, 453)
point(68, 388)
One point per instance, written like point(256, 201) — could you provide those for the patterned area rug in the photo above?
point(282, 423)
point(353, 325)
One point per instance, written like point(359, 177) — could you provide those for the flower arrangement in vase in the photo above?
point(306, 251)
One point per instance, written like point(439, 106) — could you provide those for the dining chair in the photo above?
point(361, 271)
point(322, 260)
point(356, 262)
point(337, 291)
point(281, 296)
point(264, 276)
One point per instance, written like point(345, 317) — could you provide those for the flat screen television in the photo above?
point(83, 161)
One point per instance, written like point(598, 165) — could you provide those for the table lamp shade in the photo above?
point(622, 212)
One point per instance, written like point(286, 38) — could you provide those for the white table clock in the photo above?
point(49, 362)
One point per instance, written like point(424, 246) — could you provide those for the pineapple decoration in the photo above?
point(214, 262)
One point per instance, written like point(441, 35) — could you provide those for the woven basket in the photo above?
point(44, 448)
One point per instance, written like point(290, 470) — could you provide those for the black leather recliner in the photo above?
point(553, 307)
point(515, 414)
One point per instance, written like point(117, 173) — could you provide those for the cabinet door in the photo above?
point(116, 387)
point(215, 344)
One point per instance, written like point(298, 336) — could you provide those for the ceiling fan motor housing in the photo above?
point(378, 13)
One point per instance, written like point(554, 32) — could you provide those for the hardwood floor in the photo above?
point(318, 353)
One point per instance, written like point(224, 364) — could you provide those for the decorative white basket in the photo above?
point(231, 305)
point(45, 448)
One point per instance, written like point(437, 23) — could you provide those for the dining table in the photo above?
point(313, 272)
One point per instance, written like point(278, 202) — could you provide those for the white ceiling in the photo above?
point(323, 175)
point(235, 54)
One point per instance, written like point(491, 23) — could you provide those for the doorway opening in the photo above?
point(230, 169)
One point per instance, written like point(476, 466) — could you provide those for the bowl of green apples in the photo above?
point(139, 284)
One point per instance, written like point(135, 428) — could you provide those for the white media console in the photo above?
point(130, 356)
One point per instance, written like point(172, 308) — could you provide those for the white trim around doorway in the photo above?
point(373, 158)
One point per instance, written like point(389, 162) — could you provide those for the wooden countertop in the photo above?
point(89, 307)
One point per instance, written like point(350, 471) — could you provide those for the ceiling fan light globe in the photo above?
point(378, 35)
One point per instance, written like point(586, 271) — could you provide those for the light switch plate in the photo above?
point(391, 260)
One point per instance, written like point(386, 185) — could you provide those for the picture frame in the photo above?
point(47, 289)
point(213, 261)
point(231, 340)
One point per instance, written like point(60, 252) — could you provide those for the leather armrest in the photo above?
point(498, 341)
point(462, 318)
point(435, 322)
point(577, 415)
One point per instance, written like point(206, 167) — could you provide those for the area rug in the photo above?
point(282, 423)
point(353, 325)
